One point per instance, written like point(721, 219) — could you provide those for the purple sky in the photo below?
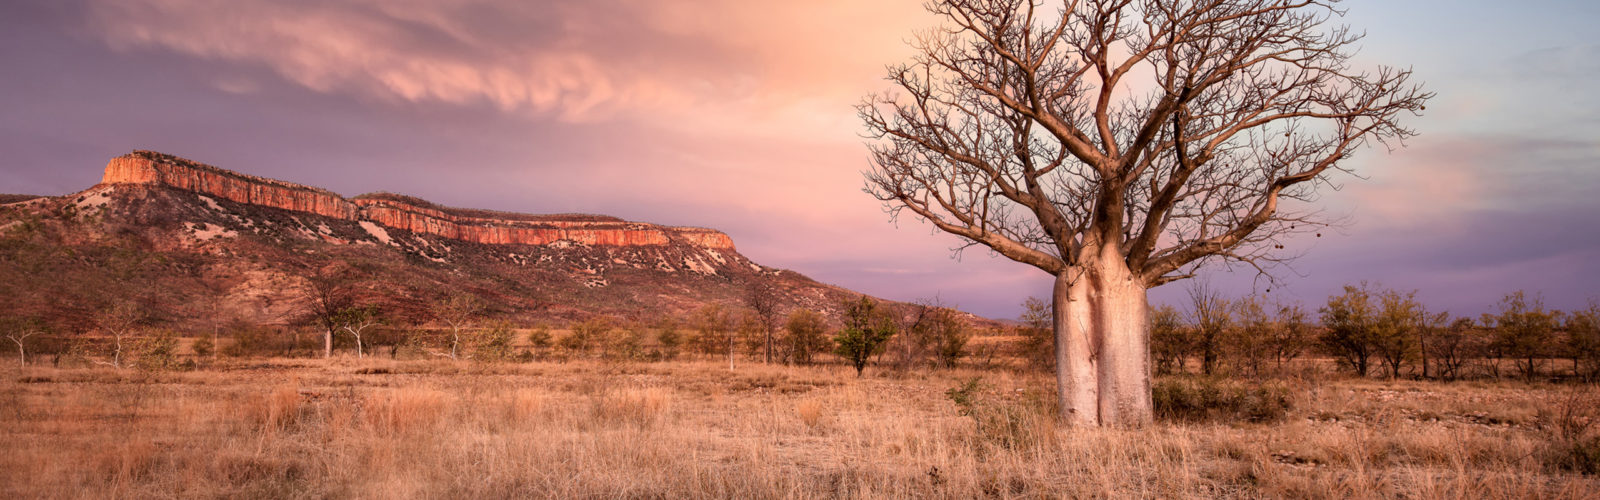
point(737, 115)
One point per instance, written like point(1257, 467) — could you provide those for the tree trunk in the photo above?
point(1102, 346)
point(327, 344)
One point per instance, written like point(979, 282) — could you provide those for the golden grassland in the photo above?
point(592, 429)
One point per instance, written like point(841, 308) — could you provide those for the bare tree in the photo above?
point(763, 300)
point(1291, 334)
point(330, 293)
point(19, 333)
point(354, 321)
point(1211, 320)
point(119, 321)
point(458, 312)
point(1121, 144)
point(1171, 341)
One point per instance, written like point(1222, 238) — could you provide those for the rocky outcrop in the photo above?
point(403, 212)
point(149, 167)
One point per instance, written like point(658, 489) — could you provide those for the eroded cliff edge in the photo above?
point(402, 212)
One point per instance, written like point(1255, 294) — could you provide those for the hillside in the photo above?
point(198, 244)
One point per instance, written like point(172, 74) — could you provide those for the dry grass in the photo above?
point(377, 429)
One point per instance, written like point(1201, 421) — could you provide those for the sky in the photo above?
point(738, 115)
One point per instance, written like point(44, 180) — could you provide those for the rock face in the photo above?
point(149, 167)
point(403, 212)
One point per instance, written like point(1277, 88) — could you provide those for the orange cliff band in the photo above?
point(146, 167)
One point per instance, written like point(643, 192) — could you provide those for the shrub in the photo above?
point(493, 343)
point(628, 345)
point(203, 346)
point(584, 335)
point(157, 352)
point(1215, 400)
point(539, 337)
point(668, 339)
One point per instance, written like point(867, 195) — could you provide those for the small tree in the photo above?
point(204, 347)
point(539, 338)
point(1428, 327)
point(157, 352)
point(1523, 330)
point(763, 301)
point(748, 330)
point(668, 339)
point(1171, 342)
point(1249, 336)
point(806, 337)
point(714, 331)
point(585, 335)
point(1038, 335)
point(1348, 320)
point(493, 344)
point(1450, 347)
point(1291, 334)
point(866, 329)
point(355, 321)
point(935, 331)
point(18, 332)
point(119, 322)
point(627, 344)
point(330, 292)
point(458, 313)
point(1210, 318)
point(1583, 342)
point(1394, 337)
point(950, 334)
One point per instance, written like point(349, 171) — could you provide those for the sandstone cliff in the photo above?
point(403, 212)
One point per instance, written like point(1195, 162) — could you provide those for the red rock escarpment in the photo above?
point(401, 212)
point(148, 167)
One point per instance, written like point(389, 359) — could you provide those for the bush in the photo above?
point(586, 334)
point(493, 343)
point(669, 340)
point(203, 346)
point(1215, 400)
point(157, 352)
point(539, 338)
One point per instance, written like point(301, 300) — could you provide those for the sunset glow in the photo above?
point(738, 116)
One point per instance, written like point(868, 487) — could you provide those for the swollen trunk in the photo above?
point(1102, 347)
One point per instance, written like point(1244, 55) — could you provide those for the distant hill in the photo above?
point(196, 244)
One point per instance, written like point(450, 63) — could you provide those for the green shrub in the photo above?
point(1216, 400)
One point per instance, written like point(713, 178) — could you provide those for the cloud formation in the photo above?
point(573, 60)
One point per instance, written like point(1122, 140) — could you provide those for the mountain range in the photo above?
point(191, 243)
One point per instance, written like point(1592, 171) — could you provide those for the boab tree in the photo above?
point(1119, 145)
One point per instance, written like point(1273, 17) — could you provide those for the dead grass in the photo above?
point(384, 429)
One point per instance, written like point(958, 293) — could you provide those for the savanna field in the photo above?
point(592, 428)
